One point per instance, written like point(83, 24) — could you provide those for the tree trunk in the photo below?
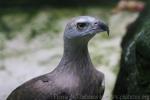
point(133, 80)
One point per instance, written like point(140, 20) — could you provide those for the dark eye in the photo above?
point(82, 26)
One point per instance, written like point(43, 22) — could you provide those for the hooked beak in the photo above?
point(103, 27)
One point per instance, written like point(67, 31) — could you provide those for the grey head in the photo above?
point(84, 28)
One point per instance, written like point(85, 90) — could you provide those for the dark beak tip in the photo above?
point(108, 32)
point(105, 27)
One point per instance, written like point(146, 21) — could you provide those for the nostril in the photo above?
point(96, 23)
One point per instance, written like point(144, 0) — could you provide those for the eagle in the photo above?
point(75, 77)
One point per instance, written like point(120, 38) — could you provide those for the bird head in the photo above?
point(84, 28)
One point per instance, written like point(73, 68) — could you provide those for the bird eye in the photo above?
point(82, 26)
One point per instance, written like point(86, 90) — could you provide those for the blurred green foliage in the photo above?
point(34, 22)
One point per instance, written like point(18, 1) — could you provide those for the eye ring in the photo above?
point(81, 25)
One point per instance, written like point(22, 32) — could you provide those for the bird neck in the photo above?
point(76, 55)
point(76, 51)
